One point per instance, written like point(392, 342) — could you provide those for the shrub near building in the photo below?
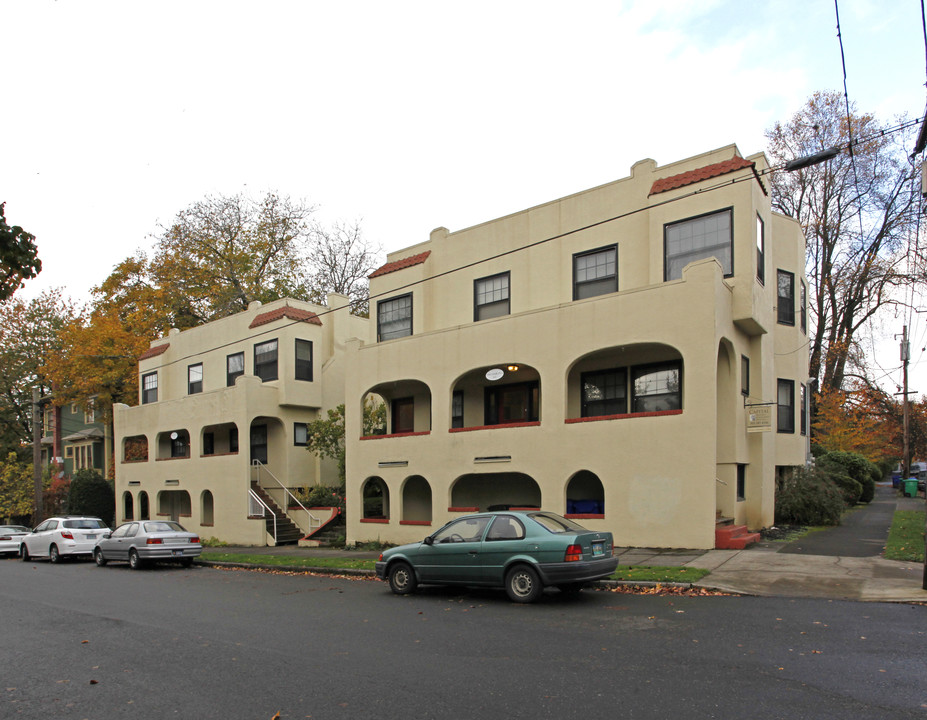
point(91, 495)
point(809, 496)
point(844, 466)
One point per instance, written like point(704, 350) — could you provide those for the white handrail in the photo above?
point(258, 465)
point(257, 498)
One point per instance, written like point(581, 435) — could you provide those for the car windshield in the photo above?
point(163, 526)
point(555, 523)
point(14, 528)
point(84, 524)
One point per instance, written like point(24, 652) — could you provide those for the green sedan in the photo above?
point(521, 551)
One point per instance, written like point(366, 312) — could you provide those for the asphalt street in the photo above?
point(88, 642)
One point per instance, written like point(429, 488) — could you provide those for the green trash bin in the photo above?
point(910, 487)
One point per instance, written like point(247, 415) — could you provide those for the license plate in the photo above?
point(177, 553)
point(598, 548)
point(90, 537)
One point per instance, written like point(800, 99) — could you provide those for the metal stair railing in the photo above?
point(255, 504)
point(257, 466)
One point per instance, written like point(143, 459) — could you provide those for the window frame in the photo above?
point(638, 371)
point(745, 376)
point(803, 408)
point(457, 403)
point(803, 306)
point(668, 226)
point(381, 305)
point(149, 393)
point(785, 414)
point(302, 363)
point(785, 313)
point(760, 250)
point(492, 397)
point(194, 386)
point(577, 284)
point(506, 301)
point(231, 377)
point(586, 405)
point(269, 367)
point(297, 426)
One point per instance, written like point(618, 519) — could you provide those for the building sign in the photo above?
point(759, 418)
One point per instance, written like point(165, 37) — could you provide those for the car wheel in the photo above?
point(402, 578)
point(135, 562)
point(24, 553)
point(186, 562)
point(98, 557)
point(53, 554)
point(522, 584)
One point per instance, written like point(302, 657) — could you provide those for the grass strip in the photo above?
point(288, 560)
point(658, 573)
point(906, 536)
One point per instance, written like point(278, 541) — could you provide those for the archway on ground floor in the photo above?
point(396, 407)
point(375, 499)
point(174, 504)
point(128, 509)
point(416, 500)
point(495, 491)
point(502, 394)
point(636, 378)
point(206, 508)
point(585, 494)
point(144, 513)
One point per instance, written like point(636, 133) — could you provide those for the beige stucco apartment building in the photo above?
point(634, 355)
point(220, 428)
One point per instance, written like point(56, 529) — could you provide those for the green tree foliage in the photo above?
point(29, 335)
point(19, 257)
point(857, 212)
point(808, 497)
point(16, 491)
point(325, 436)
point(853, 466)
point(90, 494)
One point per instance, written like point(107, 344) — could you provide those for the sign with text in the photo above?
point(759, 418)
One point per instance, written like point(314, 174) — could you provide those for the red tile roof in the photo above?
point(400, 264)
point(704, 173)
point(290, 313)
point(154, 351)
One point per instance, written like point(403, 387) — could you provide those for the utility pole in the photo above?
point(37, 456)
point(905, 356)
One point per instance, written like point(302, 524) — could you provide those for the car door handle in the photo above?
point(473, 552)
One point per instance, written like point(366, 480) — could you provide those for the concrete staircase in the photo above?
point(288, 533)
point(733, 537)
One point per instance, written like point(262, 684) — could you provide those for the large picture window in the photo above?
point(491, 297)
point(595, 273)
point(785, 307)
point(304, 360)
point(149, 388)
point(605, 392)
point(265, 360)
point(394, 318)
point(785, 399)
point(234, 368)
point(698, 238)
point(657, 387)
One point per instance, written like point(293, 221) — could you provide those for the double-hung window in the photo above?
point(234, 367)
point(149, 388)
point(304, 360)
point(760, 250)
point(265, 360)
point(744, 375)
point(803, 307)
point(605, 392)
point(698, 238)
point(595, 273)
point(657, 387)
point(491, 297)
point(457, 409)
point(394, 318)
point(785, 307)
point(804, 409)
point(785, 399)
point(194, 379)
point(300, 434)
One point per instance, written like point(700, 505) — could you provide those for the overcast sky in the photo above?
point(405, 115)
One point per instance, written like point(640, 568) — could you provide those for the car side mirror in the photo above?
point(107, 535)
point(428, 540)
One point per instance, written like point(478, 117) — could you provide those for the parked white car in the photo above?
point(11, 538)
point(61, 537)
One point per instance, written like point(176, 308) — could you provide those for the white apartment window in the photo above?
point(234, 368)
point(595, 273)
point(149, 388)
point(697, 238)
point(300, 434)
point(194, 379)
point(304, 360)
point(83, 456)
point(265, 360)
point(786, 406)
point(491, 297)
point(394, 318)
point(90, 415)
point(786, 298)
point(656, 387)
point(760, 250)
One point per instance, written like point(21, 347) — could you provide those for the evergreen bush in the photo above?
point(809, 497)
point(90, 494)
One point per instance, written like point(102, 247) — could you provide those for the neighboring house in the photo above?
point(634, 355)
point(220, 429)
point(75, 438)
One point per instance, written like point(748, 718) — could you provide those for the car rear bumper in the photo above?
point(167, 552)
point(575, 572)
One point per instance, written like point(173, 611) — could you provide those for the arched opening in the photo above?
point(173, 444)
point(128, 509)
point(174, 504)
point(135, 449)
point(375, 497)
point(507, 393)
point(416, 500)
point(397, 407)
point(143, 511)
point(206, 508)
point(640, 378)
point(495, 491)
point(585, 495)
point(219, 439)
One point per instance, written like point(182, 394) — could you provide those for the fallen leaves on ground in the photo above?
point(666, 590)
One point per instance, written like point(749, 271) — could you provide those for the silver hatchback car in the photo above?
point(142, 541)
point(64, 536)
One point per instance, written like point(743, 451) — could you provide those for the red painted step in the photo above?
point(734, 537)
